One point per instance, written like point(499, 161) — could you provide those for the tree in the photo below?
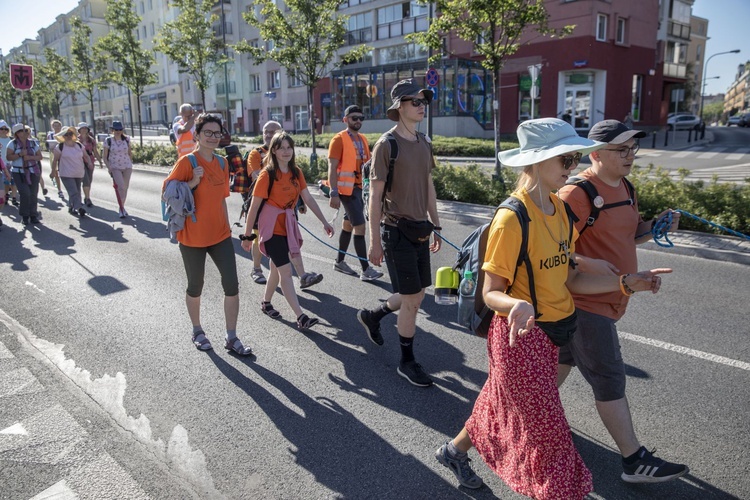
point(120, 45)
point(52, 84)
point(190, 42)
point(304, 39)
point(88, 66)
point(495, 28)
point(8, 97)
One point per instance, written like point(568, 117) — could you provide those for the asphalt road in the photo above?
point(96, 359)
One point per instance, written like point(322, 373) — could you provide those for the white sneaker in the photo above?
point(343, 267)
point(370, 274)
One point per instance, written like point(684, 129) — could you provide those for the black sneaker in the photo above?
point(34, 219)
point(413, 372)
point(372, 327)
point(82, 212)
point(25, 221)
point(651, 469)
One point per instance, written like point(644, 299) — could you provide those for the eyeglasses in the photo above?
point(212, 133)
point(6, 129)
point(625, 152)
point(416, 102)
point(357, 118)
point(569, 161)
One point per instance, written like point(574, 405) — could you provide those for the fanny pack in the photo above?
point(415, 231)
point(560, 332)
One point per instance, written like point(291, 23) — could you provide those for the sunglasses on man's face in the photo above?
point(570, 161)
point(416, 101)
point(357, 118)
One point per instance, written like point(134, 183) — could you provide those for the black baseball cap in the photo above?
point(352, 109)
point(614, 132)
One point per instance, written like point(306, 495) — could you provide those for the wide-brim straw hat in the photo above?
point(60, 136)
point(545, 138)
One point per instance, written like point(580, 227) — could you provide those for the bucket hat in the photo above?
point(83, 125)
point(614, 132)
point(117, 125)
point(405, 88)
point(60, 136)
point(545, 138)
point(17, 128)
point(4, 124)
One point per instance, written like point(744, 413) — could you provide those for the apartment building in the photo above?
point(737, 98)
point(696, 56)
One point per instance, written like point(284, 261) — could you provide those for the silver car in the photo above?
point(683, 122)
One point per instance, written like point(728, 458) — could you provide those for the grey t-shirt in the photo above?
point(411, 174)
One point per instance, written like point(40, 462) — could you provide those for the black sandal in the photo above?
point(235, 345)
point(269, 311)
point(305, 322)
point(202, 344)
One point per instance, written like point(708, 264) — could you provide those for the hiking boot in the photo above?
point(25, 221)
point(309, 279)
point(34, 219)
point(343, 267)
point(372, 327)
point(460, 467)
point(370, 274)
point(413, 372)
point(651, 469)
point(257, 276)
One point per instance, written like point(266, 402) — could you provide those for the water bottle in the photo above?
point(466, 299)
point(446, 286)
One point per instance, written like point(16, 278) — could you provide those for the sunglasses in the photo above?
point(357, 118)
point(6, 129)
point(571, 161)
point(625, 152)
point(417, 102)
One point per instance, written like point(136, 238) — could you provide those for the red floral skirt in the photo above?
point(518, 425)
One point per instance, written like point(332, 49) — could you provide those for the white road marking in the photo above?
point(682, 154)
point(58, 491)
point(15, 429)
point(711, 154)
point(32, 285)
point(686, 350)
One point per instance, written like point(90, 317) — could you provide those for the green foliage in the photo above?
point(190, 42)
point(721, 203)
point(154, 154)
point(472, 184)
point(52, 84)
point(85, 76)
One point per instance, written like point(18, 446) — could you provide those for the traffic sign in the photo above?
point(432, 77)
point(21, 76)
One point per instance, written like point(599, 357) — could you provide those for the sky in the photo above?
point(727, 30)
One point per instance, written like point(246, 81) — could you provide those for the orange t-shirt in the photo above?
point(611, 238)
point(255, 158)
point(211, 225)
point(284, 193)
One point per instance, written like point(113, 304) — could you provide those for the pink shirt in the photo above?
point(70, 161)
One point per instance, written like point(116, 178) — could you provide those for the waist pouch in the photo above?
point(560, 332)
point(415, 231)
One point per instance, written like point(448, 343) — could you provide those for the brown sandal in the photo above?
point(269, 311)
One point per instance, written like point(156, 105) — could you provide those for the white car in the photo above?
point(734, 120)
point(683, 122)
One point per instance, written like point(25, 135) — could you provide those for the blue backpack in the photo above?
point(471, 258)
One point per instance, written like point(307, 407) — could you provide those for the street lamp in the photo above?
point(703, 83)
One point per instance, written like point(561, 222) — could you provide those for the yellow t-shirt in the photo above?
point(548, 259)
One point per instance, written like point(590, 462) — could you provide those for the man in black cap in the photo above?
point(607, 246)
point(347, 152)
point(401, 200)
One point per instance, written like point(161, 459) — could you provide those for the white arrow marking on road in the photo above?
point(686, 350)
point(58, 491)
point(16, 429)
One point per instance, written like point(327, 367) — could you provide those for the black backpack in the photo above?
point(62, 145)
point(593, 194)
point(471, 258)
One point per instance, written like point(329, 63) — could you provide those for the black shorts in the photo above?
point(277, 249)
point(408, 263)
point(222, 253)
point(354, 207)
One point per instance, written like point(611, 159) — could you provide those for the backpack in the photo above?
point(248, 194)
point(471, 258)
point(127, 139)
point(62, 145)
point(597, 203)
point(194, 164)
point(366, 167)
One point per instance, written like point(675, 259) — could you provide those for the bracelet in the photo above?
point(244, 237)
point(437, 228)
point(624, 288)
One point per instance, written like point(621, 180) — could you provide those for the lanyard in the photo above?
point(358, 144)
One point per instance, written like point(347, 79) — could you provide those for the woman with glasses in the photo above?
point(279, 186)
point(69, 158)
point(24, 156)
point(119, 160)
point(518, 425)
point(210, 233)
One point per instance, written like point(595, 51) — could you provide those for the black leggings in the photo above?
point(222, 254)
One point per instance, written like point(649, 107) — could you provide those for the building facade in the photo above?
point(737, 98)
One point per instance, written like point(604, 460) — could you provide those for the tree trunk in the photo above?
point(496, 123)
point(140, 123)
point(314, 155)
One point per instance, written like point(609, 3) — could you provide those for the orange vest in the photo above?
point(185, 142)
point(348, 169)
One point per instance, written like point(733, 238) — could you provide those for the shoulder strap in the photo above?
point(516, 206)
point(193, 161)
point(392, 161)
point(109, 142)
point(221, 160)
point(61, 146)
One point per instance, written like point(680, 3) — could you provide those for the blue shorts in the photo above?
point(354, 207)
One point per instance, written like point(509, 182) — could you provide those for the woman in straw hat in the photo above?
point(518, 425)
point(70, 158)
point(24, 156)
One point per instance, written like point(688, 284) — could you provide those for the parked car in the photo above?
point(744, 120)
point(684, 122)
point(734, 120)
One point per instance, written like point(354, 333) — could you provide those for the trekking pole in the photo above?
point(117, 193)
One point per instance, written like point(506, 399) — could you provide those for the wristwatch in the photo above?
point(244, 237)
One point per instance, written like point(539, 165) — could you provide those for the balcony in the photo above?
point(360, 36)
point(678, 30)
point(675, 70)
point(220, 88)
point(402, 27)
point(218, 31)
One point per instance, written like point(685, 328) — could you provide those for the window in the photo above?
point(150, 4)
point(274, 79)
point(621, 30)
point(359, 29)
point(698, 53)
point(255, 83)
point(287, 113)
point(144, 31)
point(635, 106)
point(294, 81)
point(401, 19)
point(601, 27)
point(402, 53)
point(301, 118)
point(152, 29)
point(143, 8)
point(275, 114)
